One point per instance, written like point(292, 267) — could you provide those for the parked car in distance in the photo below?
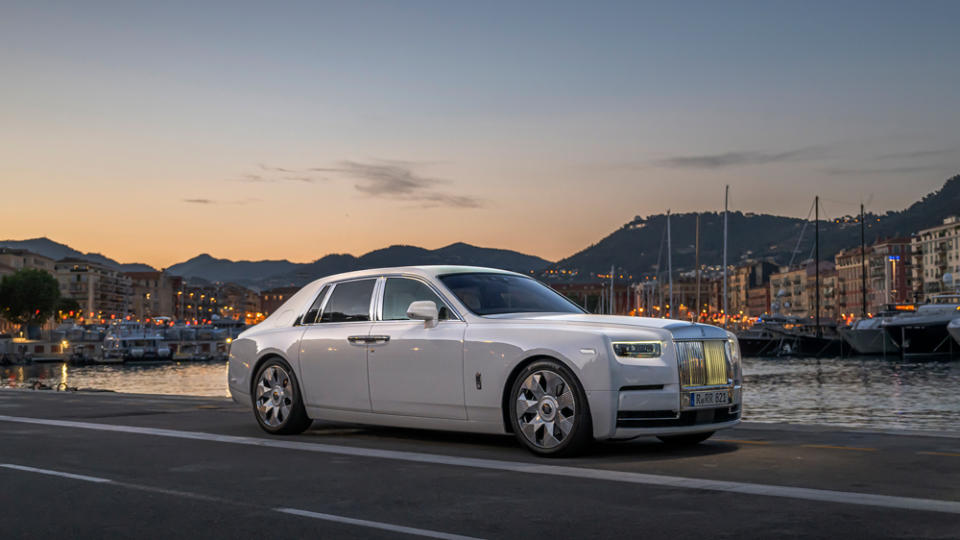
point(482, 350)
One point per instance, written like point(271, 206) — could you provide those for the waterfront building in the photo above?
point(271, 299)
point(18, 259)
point(935, 253)
point(758, 301)
point(888, 267)
point(239, 303)
point(743, 278)
point(154, 294)
point(793, 291)
point(102, 292)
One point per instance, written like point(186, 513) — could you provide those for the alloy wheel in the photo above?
point(274, 396)
point(546, 409)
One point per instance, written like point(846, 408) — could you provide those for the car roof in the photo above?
point(429, 271)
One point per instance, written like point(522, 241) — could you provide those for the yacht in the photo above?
point(924, 331)
point(131, 341)
point(954, 329)
point(867, 336)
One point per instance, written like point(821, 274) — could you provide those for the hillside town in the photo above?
point(898, 270)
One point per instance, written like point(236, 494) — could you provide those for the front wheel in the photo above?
point(549, 411)
point(277, 402)
point(686, 440)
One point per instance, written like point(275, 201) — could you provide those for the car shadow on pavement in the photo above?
point(505, 446)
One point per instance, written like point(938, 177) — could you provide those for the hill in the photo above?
point(57, 251)
point(637, 245)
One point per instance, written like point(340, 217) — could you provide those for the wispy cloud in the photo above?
point(397, 180)
point(918, 154)
point(393, 179)
point(214, 201)
point(867, 171)
point(267, 174)
point(738, 159)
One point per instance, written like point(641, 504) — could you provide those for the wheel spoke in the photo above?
point(532, 385)
point(565, 400)
point(525, 406)
point(549, 440)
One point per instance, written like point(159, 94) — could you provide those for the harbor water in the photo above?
point(862, 392)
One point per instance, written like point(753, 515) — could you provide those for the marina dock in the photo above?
point(99, 465)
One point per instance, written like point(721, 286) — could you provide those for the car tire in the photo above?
point(686, 440)
point(548, 410)
point(277, 400)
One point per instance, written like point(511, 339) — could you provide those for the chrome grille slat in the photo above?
point(703, 363)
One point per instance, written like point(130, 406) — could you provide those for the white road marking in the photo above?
point(57, 473)
point(821, 495)
point(374, 524)
point(293, 511)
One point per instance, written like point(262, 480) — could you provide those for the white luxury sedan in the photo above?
point(482, 350)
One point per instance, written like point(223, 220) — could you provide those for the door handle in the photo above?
point(378, 339)
point(357, 339)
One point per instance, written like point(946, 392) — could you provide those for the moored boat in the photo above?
point(924, 332)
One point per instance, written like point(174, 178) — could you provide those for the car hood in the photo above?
point(679, 329)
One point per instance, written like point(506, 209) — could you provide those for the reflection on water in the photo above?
point(188, 378)
point(857, 392)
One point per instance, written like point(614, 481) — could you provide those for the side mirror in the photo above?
point(424, 310)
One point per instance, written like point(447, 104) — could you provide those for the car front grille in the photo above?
point(703, 363)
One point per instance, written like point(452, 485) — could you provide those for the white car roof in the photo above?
point(430, 271)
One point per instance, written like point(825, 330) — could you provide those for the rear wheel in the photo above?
point(277, 401)
point(686, 440)
point(549, 411)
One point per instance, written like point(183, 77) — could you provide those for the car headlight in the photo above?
point(637, 349)
point(733, 353)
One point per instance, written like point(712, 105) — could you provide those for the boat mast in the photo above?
point(726, 201)
point(669, 266)
point(816, 260)
point(697, 264)
point(863, 267)
point(612, 298)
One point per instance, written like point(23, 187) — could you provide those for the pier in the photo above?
point(96, 465)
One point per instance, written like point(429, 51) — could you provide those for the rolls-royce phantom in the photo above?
point(482, 350)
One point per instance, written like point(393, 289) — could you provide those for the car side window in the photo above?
point(310, 316)
point(349, 302)
point(399, 293)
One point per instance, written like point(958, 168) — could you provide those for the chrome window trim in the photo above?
point(325, 290)
point(333, 286)
point(383, 283)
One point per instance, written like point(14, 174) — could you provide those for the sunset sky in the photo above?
point(157, 131)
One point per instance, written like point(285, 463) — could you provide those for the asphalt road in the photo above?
point(103, 465)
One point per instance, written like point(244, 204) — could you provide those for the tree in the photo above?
point(28, 297)
point(68, 307)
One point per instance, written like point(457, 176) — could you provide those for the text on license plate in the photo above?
point(709, 399)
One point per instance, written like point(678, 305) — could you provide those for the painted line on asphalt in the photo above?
point(745, 488)
point(374, 524)
point(946, 454)
point(48, 472)
point(738, 441)
point(292, 511)
point(833, 447)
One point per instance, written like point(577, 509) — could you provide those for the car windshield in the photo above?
point(490, 294)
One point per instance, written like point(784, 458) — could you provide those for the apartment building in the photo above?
point(888, 267)
point(935, 254)
point(101, 291)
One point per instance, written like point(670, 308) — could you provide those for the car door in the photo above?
point(416, 369)
point(333, 348)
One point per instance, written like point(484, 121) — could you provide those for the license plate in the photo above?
point(709, 399)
